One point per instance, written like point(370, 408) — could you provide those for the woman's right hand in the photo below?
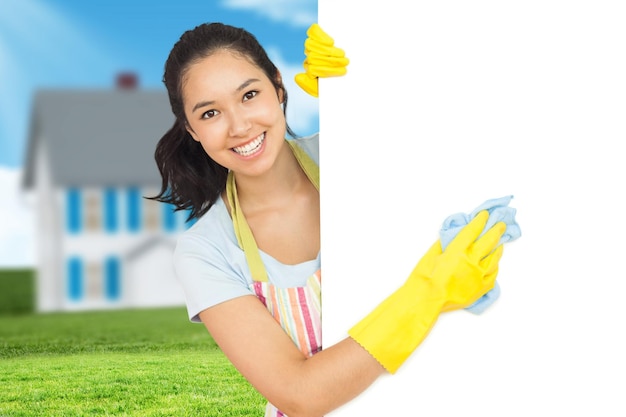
point(468, 267)
point(441, 281)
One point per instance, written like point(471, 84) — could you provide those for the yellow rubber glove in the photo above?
point(441, 281)
point(323, 59)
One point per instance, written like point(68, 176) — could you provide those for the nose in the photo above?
point(239, 123)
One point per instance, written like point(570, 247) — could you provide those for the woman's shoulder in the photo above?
point(213, 229)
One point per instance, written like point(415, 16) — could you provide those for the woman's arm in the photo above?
point(299, 386)
point(267, 357)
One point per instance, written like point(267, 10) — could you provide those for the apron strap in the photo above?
point(310, 168)
point(244, 235)
point(245, 238)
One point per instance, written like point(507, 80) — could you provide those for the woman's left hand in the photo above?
point(323, 59)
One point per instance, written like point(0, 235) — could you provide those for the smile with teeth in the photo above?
point(250, 147)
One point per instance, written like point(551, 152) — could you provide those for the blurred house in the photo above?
point(90, 163)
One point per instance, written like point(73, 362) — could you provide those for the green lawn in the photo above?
point(150, 362)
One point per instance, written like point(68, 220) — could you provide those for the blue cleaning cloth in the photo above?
point(498, 212)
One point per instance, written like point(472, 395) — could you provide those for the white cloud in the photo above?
point(17, 247)
point(297, 13)
point(302, 109)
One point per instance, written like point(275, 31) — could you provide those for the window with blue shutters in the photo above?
point(75, 278)
point(133, 209)
point(110, 210)
point(74, 214)
point(112, 275)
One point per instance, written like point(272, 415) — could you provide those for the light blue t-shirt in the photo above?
point(212, 268)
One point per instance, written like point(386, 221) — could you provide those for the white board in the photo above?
point(446, 105)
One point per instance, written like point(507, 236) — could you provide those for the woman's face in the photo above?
point(234, 111)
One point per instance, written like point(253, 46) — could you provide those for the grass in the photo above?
point(150, 362)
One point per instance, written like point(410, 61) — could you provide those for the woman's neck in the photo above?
point(276, 187)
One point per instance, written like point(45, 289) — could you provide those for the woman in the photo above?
point(250, 265)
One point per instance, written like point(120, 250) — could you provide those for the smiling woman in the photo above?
point(250, 265)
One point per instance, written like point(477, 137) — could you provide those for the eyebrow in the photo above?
point(241, 87)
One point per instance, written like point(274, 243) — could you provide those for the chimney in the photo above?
point(127, 81)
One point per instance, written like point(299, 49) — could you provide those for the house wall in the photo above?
point(49, 286)
point(150, 277)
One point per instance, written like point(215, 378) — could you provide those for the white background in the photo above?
point(446, 105)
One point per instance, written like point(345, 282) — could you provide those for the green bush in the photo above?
point(17, 291)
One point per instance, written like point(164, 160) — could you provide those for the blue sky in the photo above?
point(83, 44)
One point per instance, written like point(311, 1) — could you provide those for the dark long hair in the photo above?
point(190, 179)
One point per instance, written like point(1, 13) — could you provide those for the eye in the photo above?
point(250, 94)
point(209, 114)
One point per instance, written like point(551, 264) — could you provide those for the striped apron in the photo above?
point(296, 309)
